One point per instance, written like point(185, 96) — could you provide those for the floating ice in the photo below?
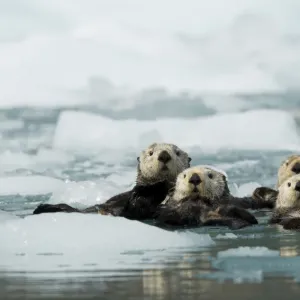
point(80, 131)
point(6, 216)
point(11, 125)
point(237, 276)
point(40, 161)
point(245, 190)
point(227, 235)
point(85, 193)
point(241, 264)
point(63, 242)
point(248, 251)
point(29, 185)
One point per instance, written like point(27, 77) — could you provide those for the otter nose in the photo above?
point(164, 156)
point(297, 186)
point(195, 179)
point(296, 168)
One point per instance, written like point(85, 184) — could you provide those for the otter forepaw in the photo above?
point(238, 224)
point(291, 223)
point(231, 223)
point(265, 197)
point(235, 212)
point(53, 208)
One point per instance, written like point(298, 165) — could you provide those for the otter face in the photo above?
point(200, 181)
point(289, 193)
point(288, 168)
point(162, 161)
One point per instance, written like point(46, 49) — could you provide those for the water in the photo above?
point(85, 85)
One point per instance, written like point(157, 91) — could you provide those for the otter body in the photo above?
point(158, 167)
point(216, 189)
point(288, 168)
point(201, 198)
point(287, 209)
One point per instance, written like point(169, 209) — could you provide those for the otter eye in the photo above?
point(210, 175)
point(184, 175)
point(177, 153)
point(289, 184)
point(151, 153)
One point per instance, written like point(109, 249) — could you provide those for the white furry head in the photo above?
point(289, 193)
point(289, 167)
point(201, 181)
point(161, 161)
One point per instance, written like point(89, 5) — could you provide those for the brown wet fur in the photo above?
point(287, 209)
point(200, 206)
point(265, 196)
point(285, 169)
point(282, 216)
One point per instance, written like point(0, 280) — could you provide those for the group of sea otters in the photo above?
point(172, 193)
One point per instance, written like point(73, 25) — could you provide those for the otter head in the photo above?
point(289, 193)
point(288, 168)
point(161, 161)
point(200, 181)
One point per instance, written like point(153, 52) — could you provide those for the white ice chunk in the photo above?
point(245, 190)
point(29, 185)
point(44, 158)
point(85, 242)
point(80, 131)
point(227, 235)
point(6, 216)
point(248, 251)
point(85, 193)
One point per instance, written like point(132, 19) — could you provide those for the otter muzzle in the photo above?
point(195, 179)
point(296, 168)
point(164, 157)
point(297, 186)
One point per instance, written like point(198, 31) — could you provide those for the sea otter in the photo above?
point(157, 169)
point(217, 190)
point(287, 208)
point(288, 168)
point(201, 197)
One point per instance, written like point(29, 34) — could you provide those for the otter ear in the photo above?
point(138, 159)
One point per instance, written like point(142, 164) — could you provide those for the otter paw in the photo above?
point(290, 223)
point(238, 213)
point(238, 224)
point(103, 212)
point(266, 197)
point(231, 223)
point(53, 208)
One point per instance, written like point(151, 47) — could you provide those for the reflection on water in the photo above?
point(253, 263)
point(289, 251)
